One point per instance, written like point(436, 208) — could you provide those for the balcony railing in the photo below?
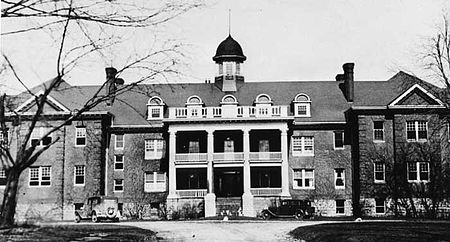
point(265, 191)
point(229, 157)
point(192, 193)
point(227, 112)
point(191, 157)
point(265, 156)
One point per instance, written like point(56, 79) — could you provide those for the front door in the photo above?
point(228, 182)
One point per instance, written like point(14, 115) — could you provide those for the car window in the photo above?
point(284, 203)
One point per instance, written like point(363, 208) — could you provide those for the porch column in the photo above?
point(284, 164)
point(210, 198)
point(172, 172)
point(247, 197)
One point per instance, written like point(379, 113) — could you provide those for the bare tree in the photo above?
point(80, 30)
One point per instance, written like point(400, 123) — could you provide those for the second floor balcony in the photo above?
point(228, 112)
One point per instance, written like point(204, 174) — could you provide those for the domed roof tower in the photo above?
point(229, 58)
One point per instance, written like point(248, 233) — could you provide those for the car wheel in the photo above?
point(94, 218)
point(299, 215)
point(266, 215)
point(77, 218)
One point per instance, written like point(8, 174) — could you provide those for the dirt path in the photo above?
point(222, 231)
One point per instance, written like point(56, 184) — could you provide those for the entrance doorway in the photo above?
point(228, 182)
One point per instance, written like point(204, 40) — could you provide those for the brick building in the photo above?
point(228, 145)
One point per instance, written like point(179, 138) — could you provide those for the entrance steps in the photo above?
point(231, 206)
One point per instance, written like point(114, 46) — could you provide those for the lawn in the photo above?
point(375, 231)
point(91, 232)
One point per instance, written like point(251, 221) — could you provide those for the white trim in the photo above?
point(411, 89)
point(49, 98)
point(334, 140)
point(335, 178)
point(222, 102)
point(374, 173)
point(114, 185)
point(161, 102)
point(39, 176)
point(303, 171)
point(384, 206)
point(85, 136)
point(155, 186)
point(417, 163)
point(373, 132)
point(263, 102)
point(302, 145)
point(188, 103)
point(302, 94)
point(75, 176)
point(115, 142)
point(115, 161)
point(416, 130)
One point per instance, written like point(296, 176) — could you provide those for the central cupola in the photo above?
point(229, 58)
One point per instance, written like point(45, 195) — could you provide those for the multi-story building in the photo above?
point(228, 145)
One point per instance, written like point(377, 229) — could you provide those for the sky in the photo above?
point(282, 39)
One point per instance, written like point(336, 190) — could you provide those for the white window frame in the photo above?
point(416, 129)
point(302, 146)
point(79, 133)
point(267, 102)
point(77, 172)
point(159, 105)
point(116, 141)
point(379, 130)
point(155, 185)
point(38, 133)
point(303, 178)
point(40, 174)
point(336, 201)
point(151, 147)
point(377, 206)
point(115, 184)
point(3, 175)
point(116, 162)
point(375, 171)
point(336, 178)
point(417, 167)
point(343, 139)
point(303, 103)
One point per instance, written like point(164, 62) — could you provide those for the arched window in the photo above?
point(229, 100)
point(155, 106)
point(194, 101)
point(302, 105)
point(263, 99)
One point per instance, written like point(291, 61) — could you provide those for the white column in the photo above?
point(172, 170)
point(247, 197)
point(210, 198)
point(284, 164)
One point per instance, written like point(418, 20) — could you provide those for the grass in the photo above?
point(375, 231)
point(91, 232)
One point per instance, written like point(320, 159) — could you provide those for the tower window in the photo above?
point(228, 68)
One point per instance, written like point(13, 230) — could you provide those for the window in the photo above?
point(2, 177)
point(228, 145)
point(154, 148)
point(40, 176)
point(379, 205)
point(37, 134)
point(78, 206)
point(264, 145)
point(118, 162)
point(378, 130)
point(191, 178)
point(416, 131)
point(155, 107)
point(155, 182)
point(379, 172)
point(338, 140)
point(229, 100)
point(229, 68)
point(194, 146)
point(265, 177)
point(194, 101)
point(418, 171)
point(302, 105)
point(302, 145)
point(263, 99)
point(119, 144)
point(79, 175)
point(80, 136)
point(118, 185)
point(340, 206)
point(303, 178)
point(339, 178)
point(3, 137)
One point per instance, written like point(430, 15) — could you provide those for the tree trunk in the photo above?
point(8, 208)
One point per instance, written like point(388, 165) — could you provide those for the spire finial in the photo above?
point(229, 22)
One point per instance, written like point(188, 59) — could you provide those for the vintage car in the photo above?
point(290, 208)
point(98, 208)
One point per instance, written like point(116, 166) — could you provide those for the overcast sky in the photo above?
point(282, 39)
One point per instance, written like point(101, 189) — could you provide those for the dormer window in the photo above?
point(194, 101)
point(155, 106)
point(302, 105)
point(229, 100)
point(263, 100)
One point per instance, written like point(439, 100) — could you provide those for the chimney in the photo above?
point(347, 86)
point(110, 84)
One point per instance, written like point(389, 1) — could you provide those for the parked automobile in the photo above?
point(290, 208)
point(98, 208)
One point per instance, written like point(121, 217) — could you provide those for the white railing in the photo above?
point(234, 156)
point(192, 193)
point(265, 191)
point(191, 157)
point(228, 112)
point(265, 156)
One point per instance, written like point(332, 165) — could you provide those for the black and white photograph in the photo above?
point(237, 120)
